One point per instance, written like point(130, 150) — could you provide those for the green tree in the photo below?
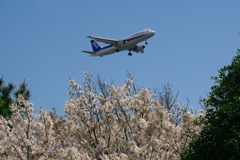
point(220, 137)
point(7, 93)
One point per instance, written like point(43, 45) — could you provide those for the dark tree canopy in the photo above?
point(7, 93)
point(220, 137)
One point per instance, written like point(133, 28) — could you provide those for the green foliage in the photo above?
point(6, 99)
point(228, 90)
point(23, 91)
point(220, 137)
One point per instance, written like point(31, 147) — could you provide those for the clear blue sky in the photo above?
point(41, 41)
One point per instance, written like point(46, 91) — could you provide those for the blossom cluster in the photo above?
point(117, 123)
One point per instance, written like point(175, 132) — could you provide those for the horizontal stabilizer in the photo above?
point(94, 55)
point(89, 52)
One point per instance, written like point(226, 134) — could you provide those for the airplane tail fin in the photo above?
point(95, 46)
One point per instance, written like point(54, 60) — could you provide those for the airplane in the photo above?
point(129, 43)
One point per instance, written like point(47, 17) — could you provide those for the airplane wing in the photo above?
point(105, 40)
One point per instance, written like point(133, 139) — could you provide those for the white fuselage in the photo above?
point(131, 41)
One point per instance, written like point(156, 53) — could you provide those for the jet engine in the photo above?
point(140, 48)
point(121, 42)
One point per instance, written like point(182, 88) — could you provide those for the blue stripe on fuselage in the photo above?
point(130, 39)
point(105, 47)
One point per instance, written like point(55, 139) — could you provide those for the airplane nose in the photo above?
point(151, 33)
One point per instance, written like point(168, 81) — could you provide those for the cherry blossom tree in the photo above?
point(110, 123)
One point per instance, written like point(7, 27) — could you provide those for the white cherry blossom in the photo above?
point(116, 123)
